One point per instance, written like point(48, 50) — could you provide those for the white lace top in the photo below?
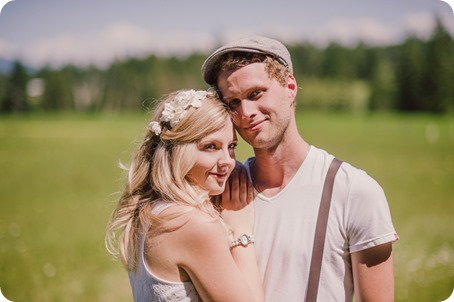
point(147, 287)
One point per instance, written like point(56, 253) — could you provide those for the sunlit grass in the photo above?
point(60, 179)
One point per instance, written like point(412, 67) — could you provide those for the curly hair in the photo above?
point(235, 60)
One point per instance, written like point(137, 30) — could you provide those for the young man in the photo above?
point(254, 77)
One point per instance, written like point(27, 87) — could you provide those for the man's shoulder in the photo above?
point(348, 175)
point(326, 158)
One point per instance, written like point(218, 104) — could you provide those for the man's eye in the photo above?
point(255, 94)
point(233, 146)
point(234, 104)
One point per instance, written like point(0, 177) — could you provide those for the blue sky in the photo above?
point(97, 31)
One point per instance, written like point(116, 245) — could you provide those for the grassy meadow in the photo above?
point(60, 181)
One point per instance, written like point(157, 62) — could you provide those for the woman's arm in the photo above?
point(218, 272)
point(238, 213)
point(221, 272)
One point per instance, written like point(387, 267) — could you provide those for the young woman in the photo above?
point(180, 237)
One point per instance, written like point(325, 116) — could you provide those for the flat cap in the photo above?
point(255, 44)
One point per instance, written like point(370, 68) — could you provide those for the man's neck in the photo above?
point(273, 168)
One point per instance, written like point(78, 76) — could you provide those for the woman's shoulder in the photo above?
point(196, 220)
point(184, 225)
point(194, 230)
point(189, 219)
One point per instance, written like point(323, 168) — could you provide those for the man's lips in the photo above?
point(254, 126)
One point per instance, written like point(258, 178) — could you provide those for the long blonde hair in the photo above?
point(159, 171)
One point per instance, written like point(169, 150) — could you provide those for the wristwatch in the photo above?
point(243, 240)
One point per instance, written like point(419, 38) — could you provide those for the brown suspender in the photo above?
point(320, 232)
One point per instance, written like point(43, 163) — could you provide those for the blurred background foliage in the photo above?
point(415, 75)
point(64, 130)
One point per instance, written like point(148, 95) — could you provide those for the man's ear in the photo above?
point(292, 86)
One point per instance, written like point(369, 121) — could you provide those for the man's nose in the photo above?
point(248, 108)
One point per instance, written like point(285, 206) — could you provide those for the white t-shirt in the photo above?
point(285, 225)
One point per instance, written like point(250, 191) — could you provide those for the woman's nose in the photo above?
point(225, 158)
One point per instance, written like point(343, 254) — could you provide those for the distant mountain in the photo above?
point(7, 65)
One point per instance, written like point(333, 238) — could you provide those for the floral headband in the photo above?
point(176, 110)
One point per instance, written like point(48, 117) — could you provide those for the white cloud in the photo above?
point(117, 41)
point(347, 31)
point(350, 31)
point(122, 40)
point(7, 50)
point(420, 24)
point(371, 31)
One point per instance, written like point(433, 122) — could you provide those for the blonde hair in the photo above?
point(159, 171)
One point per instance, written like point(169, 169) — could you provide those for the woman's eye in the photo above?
point(233, 146)
point(210, 147)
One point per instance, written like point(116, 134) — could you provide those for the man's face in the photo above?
point(262, 107)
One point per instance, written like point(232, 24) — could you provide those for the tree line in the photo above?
point(414, 75)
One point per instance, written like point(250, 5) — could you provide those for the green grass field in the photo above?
point(60, 181)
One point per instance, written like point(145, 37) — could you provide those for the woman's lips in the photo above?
point(220, 176)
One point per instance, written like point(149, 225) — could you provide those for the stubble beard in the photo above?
point(267, 138)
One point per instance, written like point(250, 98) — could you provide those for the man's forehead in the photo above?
point(251, 71)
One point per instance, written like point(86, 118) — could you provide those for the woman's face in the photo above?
point(215, 159)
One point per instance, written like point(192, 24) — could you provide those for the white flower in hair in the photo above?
point(156, 128)
point(176, 110)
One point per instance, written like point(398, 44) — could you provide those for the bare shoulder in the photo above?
point(191, 222)
point(201, 225)
point(185, 238)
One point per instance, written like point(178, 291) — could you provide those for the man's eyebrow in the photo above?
point(227, 98)
point(219, 93)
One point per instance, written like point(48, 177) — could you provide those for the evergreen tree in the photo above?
point(439, 76)
point(307, 60)
point(58, 91)
point(382, 81)
point(410, 75)
point(15, 96)
point(338, 62)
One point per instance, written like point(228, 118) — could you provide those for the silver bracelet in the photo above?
point(243, 240)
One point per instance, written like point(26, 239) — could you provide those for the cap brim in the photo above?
point(212, 60)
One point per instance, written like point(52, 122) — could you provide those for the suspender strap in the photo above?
point(320, 232)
